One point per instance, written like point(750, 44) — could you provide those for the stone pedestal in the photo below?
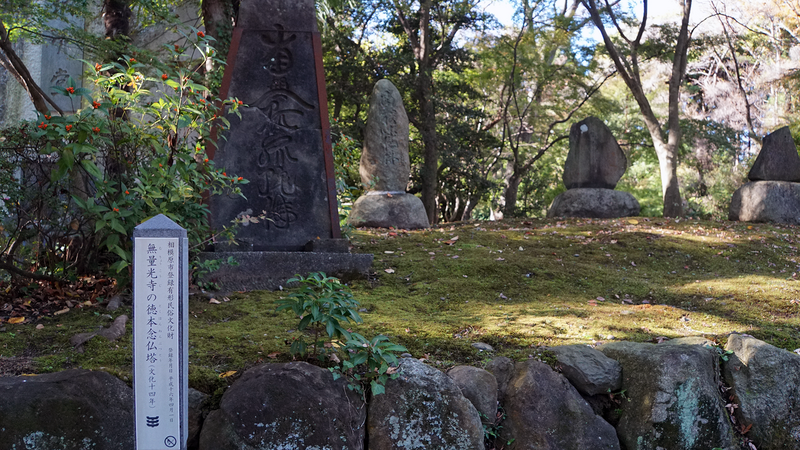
point(594, 203)
point(383, 210)
point(766, 201)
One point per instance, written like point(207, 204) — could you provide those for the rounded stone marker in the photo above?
point(385, 165)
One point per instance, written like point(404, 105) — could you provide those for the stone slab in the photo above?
point(270, 270)
point(595, 159)
point(766, 201)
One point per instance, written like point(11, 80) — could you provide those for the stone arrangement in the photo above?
point(282, 145)
point(385, 166)
point(676, 395)
point(773, 193)
point(594, 165)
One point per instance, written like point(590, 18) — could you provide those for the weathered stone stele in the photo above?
point(778, 159)
point(385, 166)
point(595, 160)
point(278, 144)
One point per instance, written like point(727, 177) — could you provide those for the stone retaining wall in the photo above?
point(681, 394)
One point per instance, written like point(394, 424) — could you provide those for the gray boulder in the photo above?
point(385, 165)
point(382, 210)
point(778, 159)
point(594, 203)
point(595, 160)
point(673, 397)
point(765, 382)
point(590, 371)
point(503, 370)
point(423, 409)
point(766, 201)
point(197, 414)
point(545, 412)
point(74, 409)
point(479, 387)
point(286, 406)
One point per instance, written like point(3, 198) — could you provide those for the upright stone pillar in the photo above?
point(385, 166)
point(282, 145)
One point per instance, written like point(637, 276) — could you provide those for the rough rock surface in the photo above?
point(479, 387)
point(423, 409)
point(197, 414)
point(74, 409)
point(595, 160)
point(503, 370)
point(590, 371)
point(674, 398)
point(545, 412)
point(286, 406)
point(766, 201)
point(765, 382)
point(385, 165)
point(778, 159)
point(398, 210)
point(594, 203)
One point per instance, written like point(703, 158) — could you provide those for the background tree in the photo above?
point(666, 142)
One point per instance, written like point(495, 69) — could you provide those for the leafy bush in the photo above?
point(137, 149)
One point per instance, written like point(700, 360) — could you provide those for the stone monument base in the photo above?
point(392, 209)
point(270, 270)
point(595, 203)
point(766, 201)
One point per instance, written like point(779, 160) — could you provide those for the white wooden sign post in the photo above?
point(160, 334)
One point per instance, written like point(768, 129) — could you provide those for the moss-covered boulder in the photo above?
point(286, 406)
point(423, 409)
point(672, 397)
point(545, 412)
point(766, 386)
point(70, 410)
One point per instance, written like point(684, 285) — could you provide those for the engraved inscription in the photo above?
point(281, 111)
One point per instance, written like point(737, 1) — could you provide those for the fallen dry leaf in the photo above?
point(40, 327)
point(14, 320)
point(389, 270)
point(65, 310)
point(227, 374)
point(273, 355)
point(633, 221)
point(214, 301)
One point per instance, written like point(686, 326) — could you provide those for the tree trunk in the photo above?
point(512, 191)
point(116, 18)
point(10, 61)
point(670, 188)
point(427, 130)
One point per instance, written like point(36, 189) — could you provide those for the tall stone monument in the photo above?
point(385, 166)
point(773, 193)
point(594, 165)
point(282, 146)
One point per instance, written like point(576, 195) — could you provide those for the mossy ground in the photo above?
point(515, 285)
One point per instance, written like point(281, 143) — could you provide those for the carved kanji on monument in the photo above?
point(282, 142)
